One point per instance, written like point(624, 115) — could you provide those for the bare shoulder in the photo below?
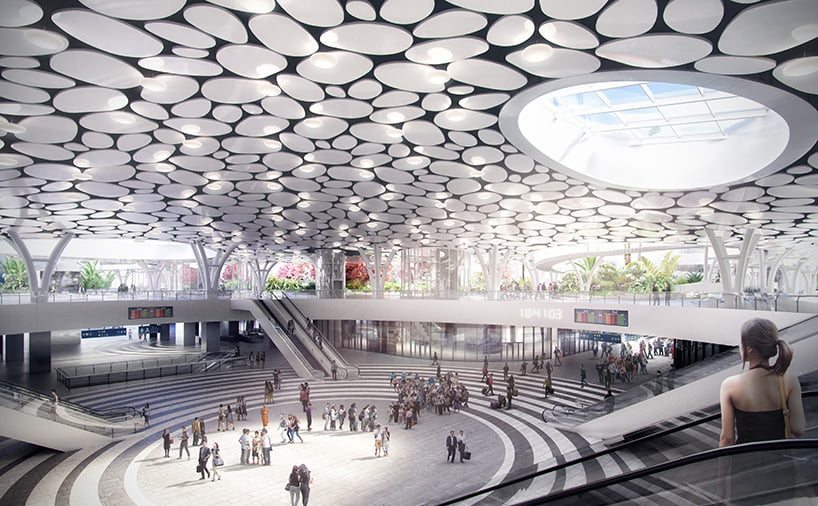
point(730, 383)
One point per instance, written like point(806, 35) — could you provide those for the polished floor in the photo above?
point(134, 470)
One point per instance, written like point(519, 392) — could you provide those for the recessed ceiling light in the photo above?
point(478, 160)
point(82, 162)
point(165, 167)
point(324, 60)
point(805, 33)
point(192, 143)
point(269, 89)
point(440, 54)
point(313, 123)
point(801, 67)
point(191, 129)
point(456, 115)
point(536, 53)
point(438, 76)
point(154, 84)
point(46, 40)
point(123, 118)
point(117, 101)
point(395, 116)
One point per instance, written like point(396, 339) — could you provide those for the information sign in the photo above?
point(601, 317)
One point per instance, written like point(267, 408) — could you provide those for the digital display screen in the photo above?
point(604, 337)
point(145, 313)
point(601, 317)
point(109, 332)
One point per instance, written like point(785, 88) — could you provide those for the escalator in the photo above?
point(309, 336)
point(30, 416)
point(300, 359)
point(677, 464)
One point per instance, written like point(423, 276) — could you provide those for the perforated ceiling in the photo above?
point(300, 124)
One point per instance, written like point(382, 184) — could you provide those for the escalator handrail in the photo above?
point(300, 313)
point(601, 453)
point(286, 304)
point(737, 449)
point(262, 305)
point(35, 394)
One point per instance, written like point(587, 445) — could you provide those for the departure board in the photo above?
point(144, 313)
point(601, 317)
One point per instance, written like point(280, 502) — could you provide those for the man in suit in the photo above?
point(204, 456)
point(451, 447)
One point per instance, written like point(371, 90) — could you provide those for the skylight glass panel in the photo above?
point(654, 132)
point(625, 95)
point(632, 116)
point(734, 105)
point(606, 118)
point(669, 90)
point(579, 101)
point(686, 110)
point(698, 129)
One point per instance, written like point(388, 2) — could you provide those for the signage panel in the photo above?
point(601, 317)
point(109, 332)
point(146, 313)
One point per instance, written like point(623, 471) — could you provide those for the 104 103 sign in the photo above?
point(536, 312)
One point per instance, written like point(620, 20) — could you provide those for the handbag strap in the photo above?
point(784, 408)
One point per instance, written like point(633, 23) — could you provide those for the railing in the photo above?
point(118, 374)
point(316, 335)
point(777, 302)
point(800, 303)
point(108, 422)
point(575, 458)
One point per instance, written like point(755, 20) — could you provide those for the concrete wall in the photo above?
point(22, 318)
point(696, 324)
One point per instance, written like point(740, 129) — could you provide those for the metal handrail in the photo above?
point(159, 370)
point(770, 302)
point(336, 356)
point(628, 444)
point(110, 424)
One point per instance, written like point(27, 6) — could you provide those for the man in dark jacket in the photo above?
point(451, 447)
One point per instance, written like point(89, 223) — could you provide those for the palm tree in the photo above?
point(612, 278)
point(15, 277)
point(92, 278)
point(585, 269)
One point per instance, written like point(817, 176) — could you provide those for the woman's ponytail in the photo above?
point(784, 357)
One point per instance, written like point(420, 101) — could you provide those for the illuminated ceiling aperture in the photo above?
point(297, 124)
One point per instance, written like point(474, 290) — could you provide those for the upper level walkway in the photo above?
point(795, 303)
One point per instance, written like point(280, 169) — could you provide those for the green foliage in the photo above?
point(694, 277)
point(611, 278)
point(15, 278)
point(585, 270)
point(286, 284)
point(477, 282)
point(568, 282)
point(91, 278)
point(391, 286)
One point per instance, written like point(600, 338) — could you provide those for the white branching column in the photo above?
point(153, 271)
point(38, 290)
point(377, 269)
point(261, 270)
point(732, 281)
point(330, 273)
point(493, 264)
point(210, 270)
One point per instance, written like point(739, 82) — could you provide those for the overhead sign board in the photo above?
point(109, 332)
point(601, 317)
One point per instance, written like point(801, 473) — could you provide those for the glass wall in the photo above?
point(459, 342)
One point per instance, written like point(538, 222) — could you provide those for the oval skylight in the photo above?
point(656, 134)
